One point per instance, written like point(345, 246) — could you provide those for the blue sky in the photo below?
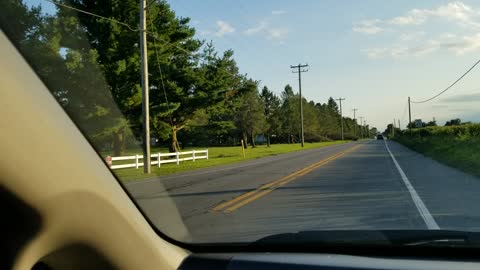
point(373, 53)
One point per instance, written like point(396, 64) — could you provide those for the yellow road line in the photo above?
point(263, 190)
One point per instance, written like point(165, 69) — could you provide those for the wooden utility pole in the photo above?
point(393, 128)
point(341, 115)
point(361, 126)
point(299, 69)
point(354, 123)
point(145, 86)
point(409, 115)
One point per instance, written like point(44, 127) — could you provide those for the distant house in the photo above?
point(418, 123)
point(260, 139)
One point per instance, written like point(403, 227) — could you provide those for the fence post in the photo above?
point(158, 159)
point(136, 161)
point(193, 155)
point(178, 158)
point(207, 154)
point(108, 159)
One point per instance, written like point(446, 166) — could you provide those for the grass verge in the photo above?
point(217, 156)
point(460, 150)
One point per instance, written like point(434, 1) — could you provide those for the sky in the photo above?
point(375, 54)
point(372, 53)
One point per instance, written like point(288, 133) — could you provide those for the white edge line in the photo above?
point(422, 209)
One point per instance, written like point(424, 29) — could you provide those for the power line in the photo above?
point(94, 15)
point(153, 35)
point(161, 76)
point(446, 89)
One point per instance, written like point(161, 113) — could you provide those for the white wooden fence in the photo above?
point(158, 159)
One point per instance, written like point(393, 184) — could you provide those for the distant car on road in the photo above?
point(380, 137)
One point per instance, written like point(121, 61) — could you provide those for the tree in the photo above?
point(60, 53)
point(250, 117)
point(332, 106)
point(290, 113)
point(271, 111)
point(454, 122)
point(179, 72)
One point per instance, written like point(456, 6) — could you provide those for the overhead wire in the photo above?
point(450, 86)
point(161, 75)
point(131, 28)
point(94, 15)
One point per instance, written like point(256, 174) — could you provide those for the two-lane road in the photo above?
point(369, 185)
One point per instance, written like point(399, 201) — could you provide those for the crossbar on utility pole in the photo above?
point(341, 115)
point(145, 92)
point(299, 70)
point(354, 123)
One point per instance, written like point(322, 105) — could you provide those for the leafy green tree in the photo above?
point(250, 117)
point(272, 112)
point(290, 114)
point(60, 53)
point(454, 122)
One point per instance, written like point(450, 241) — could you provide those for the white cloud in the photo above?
point(447, 35)
point(256, 29)
point(399, 51)
point(419, 43)
point(454, 11)
point(405, 37)
point(224, 28)
point(376, 52)
point(277, 33)
point(267, 31)
point(367, 27)
point(468, 44)
point(278, 12)
point(415, 16)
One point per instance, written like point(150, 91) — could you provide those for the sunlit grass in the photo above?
point(217, 156)
point(457, 146)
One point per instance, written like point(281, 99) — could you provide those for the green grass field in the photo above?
point(217, 156)
point(457, 146)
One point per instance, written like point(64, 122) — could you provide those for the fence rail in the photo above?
point(158, 159)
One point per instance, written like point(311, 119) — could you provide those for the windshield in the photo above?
point(291, 121)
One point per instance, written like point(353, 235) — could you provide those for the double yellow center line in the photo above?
point(235, 203)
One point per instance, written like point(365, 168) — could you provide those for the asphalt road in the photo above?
point(367, 185)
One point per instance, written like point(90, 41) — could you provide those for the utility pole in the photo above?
point(354, 123)
point(341, 115)
point(409, 114)
point(145, 94)
point(399, 127)
point(393, 127)
point(300, 69)
point(361, 126)
point(365, 127)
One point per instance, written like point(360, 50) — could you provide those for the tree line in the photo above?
point(198, 96)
